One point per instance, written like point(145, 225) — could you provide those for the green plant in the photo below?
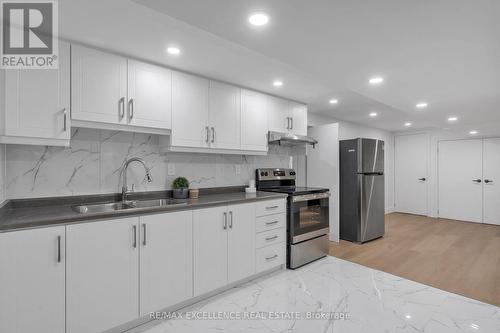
point(180, 182)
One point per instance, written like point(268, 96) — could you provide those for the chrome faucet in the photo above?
point(125, 190)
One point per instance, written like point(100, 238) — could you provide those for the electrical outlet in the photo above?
point(237, 169)
point(170, 169)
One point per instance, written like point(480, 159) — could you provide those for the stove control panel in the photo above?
point(275, 174)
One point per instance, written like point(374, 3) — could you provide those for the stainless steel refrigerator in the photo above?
point(362, 197)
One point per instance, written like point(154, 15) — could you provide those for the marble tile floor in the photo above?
point(346, 296)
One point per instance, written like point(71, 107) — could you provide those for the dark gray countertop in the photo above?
point(35, 213)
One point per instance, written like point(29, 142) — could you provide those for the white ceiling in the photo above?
point(444, 52)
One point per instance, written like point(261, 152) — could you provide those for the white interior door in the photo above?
point(460, 180)
point(491, 187)
point(411, 177)
point(224, 115)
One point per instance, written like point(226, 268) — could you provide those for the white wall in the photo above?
point(2, 173)
point(348, 130)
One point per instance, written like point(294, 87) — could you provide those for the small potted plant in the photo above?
point(180, 188)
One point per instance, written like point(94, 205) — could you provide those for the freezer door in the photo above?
point(372, 207)
point(371, 156)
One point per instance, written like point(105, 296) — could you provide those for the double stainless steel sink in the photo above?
point(122, 205)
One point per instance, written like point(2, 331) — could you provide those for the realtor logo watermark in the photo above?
point(29, 34)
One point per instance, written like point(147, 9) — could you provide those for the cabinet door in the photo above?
point(150, 95)
point(491, 169)
point(102, 287)
point(98, 86)
point(460, 180)
point(241, 241)
point(254, 126)
point(166, 260)
point(224, 115)
point(299, 118)
point(189, 111)
point(32, 281)
point(279, 115)
point(210, 249)
point(37, 101)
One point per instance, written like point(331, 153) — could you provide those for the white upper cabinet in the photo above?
point(298, 118)
point(99, 86)
point(166, 260)
point(32, 280)
point(224, 115)
point(254, 126)
point(189, 111)
point(278, 114)
point(37, 104)
point(149, 95)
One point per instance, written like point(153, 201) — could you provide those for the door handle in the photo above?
point(65, 120)
point(231, 220)
point(422, 179)
point(287, 123)
point(121, 107)
point(58, 249)
point(134, 230)
point(208, 134)
point(224, 223)
point(272, 257)
point(271, 238)
point(131, 108)
point(487, 181)
point(213, 134)
point(291, 122)
point(144, 234)
point(477, 181)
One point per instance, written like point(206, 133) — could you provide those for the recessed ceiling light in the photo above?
point(173, 50)
point(258, 19)
point(376, 80)
point(473, 132)
point(452, 119)
point(334, 101)
point(373, 114)
point(278, 83)
point(422, 105)
point(407, 124)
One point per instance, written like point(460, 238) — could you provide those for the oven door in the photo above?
point(309, 216)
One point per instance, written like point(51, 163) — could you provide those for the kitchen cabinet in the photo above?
point(224, 246)
point(102, 271)
point(98, 86)
point(189, 111)
point(149, 95)
point(254, 122)
point(166, 260)
point(112, 92)
point(298, 115)
point(224, 116)
point(287, 116)
point(37, 104)
point(32, 281)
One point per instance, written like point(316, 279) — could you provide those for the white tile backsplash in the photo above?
point(93, 165)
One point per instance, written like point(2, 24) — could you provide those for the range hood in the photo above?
point(290, 139)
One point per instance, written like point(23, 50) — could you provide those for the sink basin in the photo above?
point(122, 205)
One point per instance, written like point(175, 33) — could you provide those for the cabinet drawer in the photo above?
point(270, 207)
point(270, 222)
point(269, 257)
point(270, 237)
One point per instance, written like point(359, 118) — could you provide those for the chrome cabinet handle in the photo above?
point(58, 248)
point(208, 134)
point(271, 207)
point(224, 224)
point(213, 134)
point(291, 122)
point(272, 257)
point(134, 230)
point(121, 107)
point(287, 123)
point(487, 181)
point(144, 234)
point(271, 223)
point(271, 238)
point(422, 179)
point(65, 120)
point(231, 220)
point(477, 181)
point(131, 108)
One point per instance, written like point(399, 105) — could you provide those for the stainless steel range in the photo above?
point(307, 215)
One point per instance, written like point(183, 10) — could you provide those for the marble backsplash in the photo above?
point(94, 161)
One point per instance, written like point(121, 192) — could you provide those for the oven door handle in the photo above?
point(312, 196)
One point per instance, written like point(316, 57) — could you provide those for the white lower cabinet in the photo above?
point(102, 272)
point(32, 276)
point(166, 260)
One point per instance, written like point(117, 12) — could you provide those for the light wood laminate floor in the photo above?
point(459, 257)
